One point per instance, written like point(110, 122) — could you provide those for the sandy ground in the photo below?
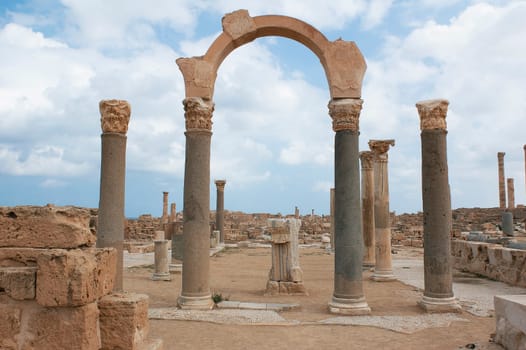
point(240, 274)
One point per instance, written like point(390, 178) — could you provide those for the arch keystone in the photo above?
point(238, 24)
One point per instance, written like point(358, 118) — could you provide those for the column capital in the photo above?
point(345, 113)
point(198, 114)
point(114, 116)
point(501, 155)
point(380, 147)
point(367, 158)
point(432, 114)
point(220, 184)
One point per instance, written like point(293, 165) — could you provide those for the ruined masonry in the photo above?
point(56, 287)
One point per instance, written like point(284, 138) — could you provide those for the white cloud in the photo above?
point(323, 186)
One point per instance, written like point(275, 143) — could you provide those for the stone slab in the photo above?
point(123, 320)
point(46, 227)
point(74, 277)
point(18, 283)
point(510, 314)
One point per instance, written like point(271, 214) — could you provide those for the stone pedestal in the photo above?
point(214, 238)
point(195, 289)
point(115, 116)
point(383, 270)
point(220, 209)
point(502, 185)
point(348, 297)
point(507, 223)
point(285, 276)
point(438, 277)
point(367, 160)
point(162, 263)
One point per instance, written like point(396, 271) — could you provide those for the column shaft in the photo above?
point(502, 185)
point(511, 193)
point(368, 209)
point(220, 209)
point(110, 229)
point(332, 218)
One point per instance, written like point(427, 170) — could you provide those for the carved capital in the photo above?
point(220, 185)
point(380, 147)
point(238, 23)
point(367, 159)
point(114, 116)
point(345, 113)
point(198, 114)
point(433, 114)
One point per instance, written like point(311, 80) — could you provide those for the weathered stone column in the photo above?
point(173, 213)
point(220, 209)
point(383, 270)
point(296, 213)
point(115, 116)
point(511, 193)
point(164, 219)
point(195, 289)
point(367, 160)
point(332, 218)
point(348, 296)
point(162, 264)
point(502, 188)
point(436, 200)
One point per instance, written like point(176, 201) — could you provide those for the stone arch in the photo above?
point(344, 68)
point(342, 61)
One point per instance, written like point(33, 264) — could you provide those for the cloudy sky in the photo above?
point(272, 139)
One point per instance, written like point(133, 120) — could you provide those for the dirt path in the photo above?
point(241, 275)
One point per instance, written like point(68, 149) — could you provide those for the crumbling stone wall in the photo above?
point(53, 279)
point(490, 260)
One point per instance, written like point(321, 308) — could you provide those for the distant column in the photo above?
point(164, 219)
point(511, 193)
point(383, 270)
point(367, 160)
point(220, 209)
point(348, 296)
point(332, 218)
point(296, 213)
point(162, 263)
point(115, 116)
point(173, 213)
point(502, 188)
point(524, 148)
point(436, 203)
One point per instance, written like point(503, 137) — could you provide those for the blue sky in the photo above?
point(272, 139)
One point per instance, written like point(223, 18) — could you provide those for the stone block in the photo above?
point(19, 257)
point(10, 320)
point(75, 277)
point(510, 314)
point(123, 321)
point(18, 283)
point(46, 227)
point(64, 328)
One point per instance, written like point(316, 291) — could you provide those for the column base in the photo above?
point(195, 303)
point(353, 307)
point(440, 305)
point(161, 277)
point(383, 276)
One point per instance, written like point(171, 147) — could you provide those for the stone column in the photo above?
point(332, 217)
point(162, 264)
point(115, 116)
point(220, 209)
point(348, 297)
point(367, 160)
point(502, 188)
point(195, 289)
point(383, 270)
point(436, 200)
point(173, 213)
point(296, 213)
point(164, 219)
point(511, 193)
point(524, 148)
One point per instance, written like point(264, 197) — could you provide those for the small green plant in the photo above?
point(218, 297)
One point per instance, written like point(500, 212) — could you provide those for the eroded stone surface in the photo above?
point(123, 320)
point(10, 319)
point(510, 313)
point(46, 227)
point(74, 277)
point(18, 282)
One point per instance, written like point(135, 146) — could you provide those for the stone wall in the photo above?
point(53, 279)
point(490, 260)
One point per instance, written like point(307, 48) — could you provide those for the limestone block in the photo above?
point(75, 277)
point(64, 328)
point(510, 314)
point(123, 320)
point(19, 257)
point(46, 227)
point(10, 320)
point(18, 282)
